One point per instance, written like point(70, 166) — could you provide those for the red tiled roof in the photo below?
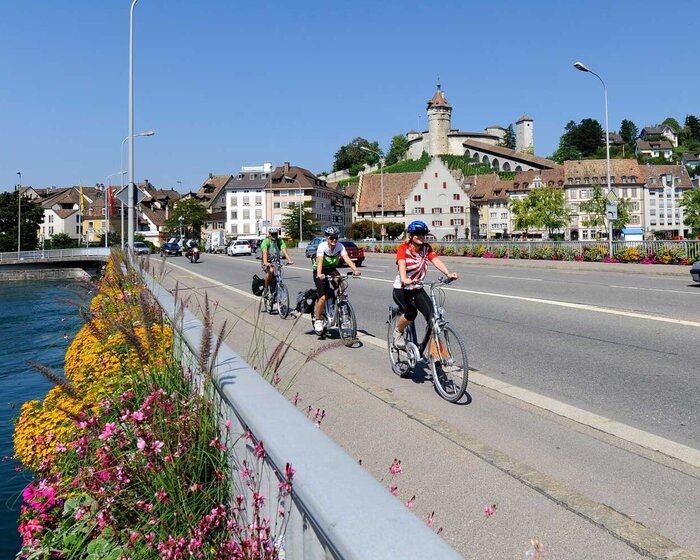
point(396, 189)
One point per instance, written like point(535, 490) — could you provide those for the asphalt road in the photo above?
point(624, 346)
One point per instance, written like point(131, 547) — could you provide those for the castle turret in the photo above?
point(439, 122)
point(525, 135)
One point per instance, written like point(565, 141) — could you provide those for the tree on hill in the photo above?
point(351, 157)
point(508, 140)
point(194, 215)
point(31, 215)
point(628, 131)
point(398, 149)
point(587, 136)
point(673, 123)
point(692, 123)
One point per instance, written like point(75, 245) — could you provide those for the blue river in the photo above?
point(38, 321)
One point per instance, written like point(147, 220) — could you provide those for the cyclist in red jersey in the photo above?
point(412, 259)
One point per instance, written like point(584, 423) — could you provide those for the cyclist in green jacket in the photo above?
point(273, 249)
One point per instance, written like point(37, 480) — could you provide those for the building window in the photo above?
point(444, 184)
point(437, 210)
point(457, 222)
point(246, 214)
point(425, 186)
point(258, 213)
point(436, 174)
point(51, 218)
point(284, 193)
point(457, 209)
point(258, 201)
point(437, 222)
point(419, 210)
point(635, 219)
point(246, 201)
point(492, 215)
point(455, 196)
point(50, 230)
point(234, 214)
point(276, 205)
point(504, 215)
point(416, 198)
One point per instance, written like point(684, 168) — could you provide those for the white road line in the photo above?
point(515, 278)
point(654, 289)
point(644, 439)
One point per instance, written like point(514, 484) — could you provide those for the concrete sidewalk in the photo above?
point(448, 470)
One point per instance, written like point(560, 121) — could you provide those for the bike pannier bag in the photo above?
point(258, 285)
point(306, 301)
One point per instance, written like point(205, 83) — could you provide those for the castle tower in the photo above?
point(439, 122)
point(525, 135)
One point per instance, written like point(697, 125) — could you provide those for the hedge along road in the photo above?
point(623, 346)
point(656, 492)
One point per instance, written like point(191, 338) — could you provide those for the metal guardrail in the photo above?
point(53, 255)
point(339, 510)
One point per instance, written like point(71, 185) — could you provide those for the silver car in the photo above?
point(695, 271)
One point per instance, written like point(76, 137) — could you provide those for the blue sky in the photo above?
point(227, 83)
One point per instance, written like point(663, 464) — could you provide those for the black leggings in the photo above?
point(413, 301)
point(323, 287)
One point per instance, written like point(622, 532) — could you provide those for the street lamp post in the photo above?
point(583, 68)
point(381, 188)
point(19, 214)
point(121, 166)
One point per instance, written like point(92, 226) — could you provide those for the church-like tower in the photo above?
point(525, 135)
point(439, 122)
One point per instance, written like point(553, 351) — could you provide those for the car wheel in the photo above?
point(359, 262)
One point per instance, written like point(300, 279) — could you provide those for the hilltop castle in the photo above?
point(441, 138)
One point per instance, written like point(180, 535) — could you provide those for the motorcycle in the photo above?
point(192, 254)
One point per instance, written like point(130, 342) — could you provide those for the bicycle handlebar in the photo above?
point(421, 284)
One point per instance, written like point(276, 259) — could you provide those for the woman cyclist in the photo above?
point(325, 264)
point(412, 260)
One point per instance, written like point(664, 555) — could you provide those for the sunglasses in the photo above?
point(332, 239)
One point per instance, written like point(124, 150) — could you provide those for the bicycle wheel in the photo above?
point(397, 357)
point(282, 301)
point(448, 360)
point(347, 325)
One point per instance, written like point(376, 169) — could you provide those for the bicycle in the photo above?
point(442, 347)
point(337, 311)
point(277, 294)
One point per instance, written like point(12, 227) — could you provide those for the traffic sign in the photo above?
point(123, 196)
point(266, 223)
point(611, 211)
point(611, 197)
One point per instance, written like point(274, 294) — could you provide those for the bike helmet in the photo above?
point(273, 230)
point(331, 231)
point(418, 227)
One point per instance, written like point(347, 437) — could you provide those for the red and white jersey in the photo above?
point(416, 263)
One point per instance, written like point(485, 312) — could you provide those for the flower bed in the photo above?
point(129, 462)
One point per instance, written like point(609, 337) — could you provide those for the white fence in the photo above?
point(54, 255)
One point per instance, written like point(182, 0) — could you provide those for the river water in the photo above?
point(38, 321)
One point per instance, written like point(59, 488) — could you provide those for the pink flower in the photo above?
point(157, 446)
point(395, 467)
point(161, 494)
point(490, 510)
point(138, 416)
point(107, 432)
point(431, 520)
point(227, 425)
point(259, 450)
point(141, 444)
point(394, 489)
point(409, 503)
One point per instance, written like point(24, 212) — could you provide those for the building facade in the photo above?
point(246, 203)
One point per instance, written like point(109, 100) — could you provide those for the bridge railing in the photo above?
point(54, 254)
point(339, 510)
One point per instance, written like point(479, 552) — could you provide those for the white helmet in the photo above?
point(273, 230)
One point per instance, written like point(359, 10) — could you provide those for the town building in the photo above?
point(654, 149)
point(246, 202)
point(664, 186)
point(653, 132)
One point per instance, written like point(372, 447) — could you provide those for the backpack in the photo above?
point(306, 301)
point(258, 285)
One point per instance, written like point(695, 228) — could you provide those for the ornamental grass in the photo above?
point(130, 462)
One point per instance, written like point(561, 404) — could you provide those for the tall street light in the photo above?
point(107, 203)
point(19, 213)
point(381, 182)
point(130, 199)
point(121, 166)
point(583, 68)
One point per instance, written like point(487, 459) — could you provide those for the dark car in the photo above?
point(170, 249)
point(313, 246)
point(356, 254)
point(695, 271)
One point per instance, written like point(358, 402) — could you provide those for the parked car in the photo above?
point(356, 254)
point(239, 247)
point(369, 239)
point(170, 249)
point(313, 246)
point(695, 271)
point(140, 248)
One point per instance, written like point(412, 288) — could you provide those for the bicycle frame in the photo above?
point(437, 320)
point(339, 285)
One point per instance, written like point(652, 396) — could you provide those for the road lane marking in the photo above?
point(515, 278)
point(653, 289)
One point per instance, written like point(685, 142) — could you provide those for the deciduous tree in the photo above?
point(690, 201)
point(194, 215)
point(290, 222)
point(352, 157)
point(398, 149)
point(31, 215)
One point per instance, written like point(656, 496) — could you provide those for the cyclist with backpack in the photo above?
point(325, 264)
point(412, 259)
point(273, 248)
